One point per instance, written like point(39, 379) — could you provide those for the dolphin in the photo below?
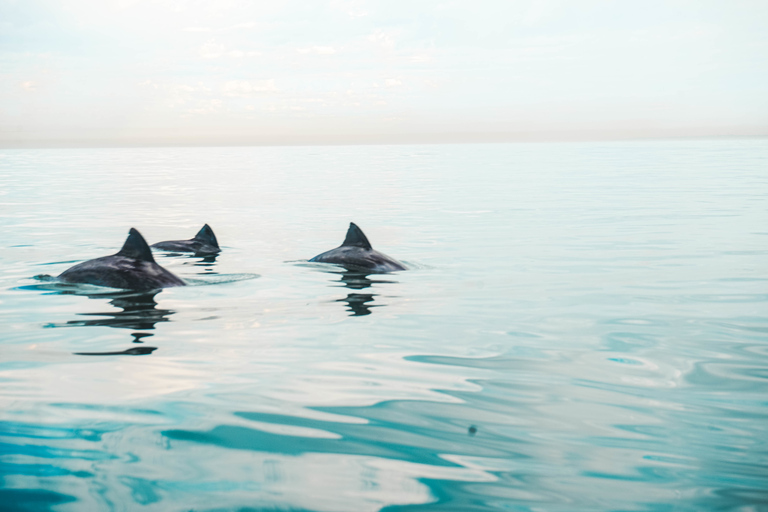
point(133, 268)
point(204, 242)
point(356, 253)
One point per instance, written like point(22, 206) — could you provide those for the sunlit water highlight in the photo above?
point(583, 327)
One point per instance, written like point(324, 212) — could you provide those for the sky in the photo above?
point(168, 72)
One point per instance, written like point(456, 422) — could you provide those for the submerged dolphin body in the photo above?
point(133, 268)
point(356, 253)
point(204, 242)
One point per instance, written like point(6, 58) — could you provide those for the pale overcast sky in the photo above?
point(239, 72)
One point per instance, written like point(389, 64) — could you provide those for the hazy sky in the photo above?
point(236, 71)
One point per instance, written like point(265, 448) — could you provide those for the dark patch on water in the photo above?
point(32, 500)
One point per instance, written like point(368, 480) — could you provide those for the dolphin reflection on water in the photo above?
point(206, 261)
point(359, 304)
point(139, 312)
point(359, 260)
point(134, 351)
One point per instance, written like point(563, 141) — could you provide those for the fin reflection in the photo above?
point(197, 260)
point(134, 351)
point(138, 312)
point(208, 262)
point(359, 304)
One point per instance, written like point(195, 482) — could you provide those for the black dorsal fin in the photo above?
point(206, 235)
point(356, 237)
point(136, 247)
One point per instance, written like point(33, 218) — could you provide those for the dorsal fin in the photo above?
point(136, 247)
point(206, 235)
point(356, 237)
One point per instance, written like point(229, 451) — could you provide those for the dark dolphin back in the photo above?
point(356, 238)
point(136, 247)
point(206, 235)
point(356, 253)
point(132, 268)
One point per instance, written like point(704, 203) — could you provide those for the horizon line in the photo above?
point(371, 140)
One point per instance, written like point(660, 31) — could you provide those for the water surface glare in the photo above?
point(582, 327)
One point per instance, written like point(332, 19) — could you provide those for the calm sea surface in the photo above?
point(584, 327)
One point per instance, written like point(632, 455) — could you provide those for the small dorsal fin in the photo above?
point(206, 235)
point(356, 237)
point(136, 247)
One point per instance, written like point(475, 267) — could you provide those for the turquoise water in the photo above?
point(583, 327)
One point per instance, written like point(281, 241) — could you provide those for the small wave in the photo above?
point(47, 264)
point(412, 265)
point(409, 265)
point(308, 264)
point(468, 212)
point(219, 279)
point(51, 284)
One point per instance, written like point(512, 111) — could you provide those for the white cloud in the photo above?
point(392, 82)
point(384, 39)
point(207, 107)
point(236, 54)
point(318, 50)
point(284, 108)
point(176, 94)
point(28, 85)
point(678, 33)
point(248, 24)
point(539, 10)
point(420, 57)
point(353, 8)
point(211, 50)
point(245, 88)
point(197, 29)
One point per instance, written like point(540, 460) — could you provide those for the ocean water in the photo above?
point(583, 327)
